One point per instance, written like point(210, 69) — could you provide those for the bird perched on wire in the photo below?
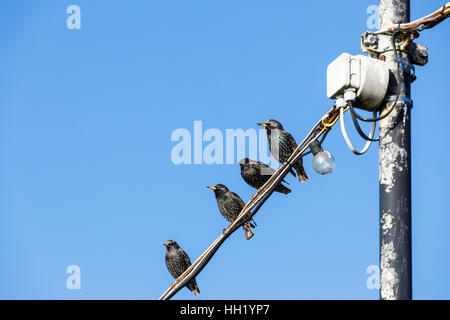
point(281, 145)
point(257, 173)
point(177, 261)
point(230, 206)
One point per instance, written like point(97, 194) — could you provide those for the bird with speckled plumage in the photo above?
point(177, 261)
point(281, 145)
point(230, 206)
point(257, 173)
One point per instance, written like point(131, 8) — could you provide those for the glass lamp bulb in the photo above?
point(323, 162)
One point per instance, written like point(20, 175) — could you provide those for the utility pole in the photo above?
point(395, 166)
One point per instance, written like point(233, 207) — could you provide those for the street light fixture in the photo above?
point(323, 162)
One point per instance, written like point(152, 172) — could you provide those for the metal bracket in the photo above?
point(406, 100)
point(370, 42)
point(406, 66)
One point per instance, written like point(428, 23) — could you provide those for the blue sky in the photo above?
point(85, 152)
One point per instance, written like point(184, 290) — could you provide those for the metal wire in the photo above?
point(358, 127)
point(374, 119)
point(382, 116)
point(347, 139)
point(426, 22)
point(413, 27)
point(252, 207)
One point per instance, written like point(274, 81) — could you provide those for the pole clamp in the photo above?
point(405, 99)
point(406, 66)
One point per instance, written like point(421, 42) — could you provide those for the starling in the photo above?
point(281, 145)
point(177, 261)
point(257, 173)
point(230, 206)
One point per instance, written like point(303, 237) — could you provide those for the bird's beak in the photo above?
point(261, 124)
point(213, 188)
point(165, 244)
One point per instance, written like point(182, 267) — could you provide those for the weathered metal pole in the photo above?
point(395, 168)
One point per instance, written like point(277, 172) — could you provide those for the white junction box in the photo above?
point(369, 77)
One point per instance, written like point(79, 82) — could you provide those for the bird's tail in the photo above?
point(283, 189)
point(193, 287)
point(248, 230)
point(301, 173)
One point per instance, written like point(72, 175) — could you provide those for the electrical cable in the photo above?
point(394, 48)
point(358, 128)
point(323, 137)
point(420, 24)
point(251, 208)
point(375, 118)
point(347, 139)
point(321, 140)
point(356, 116)
point(352, 110)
